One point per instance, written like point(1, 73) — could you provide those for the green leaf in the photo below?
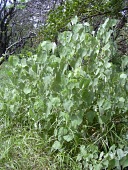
point(77, 28)
point(56, 146)
point(13, 60)
point(121, 99)
point(97, 167)
point(74, 20)
point(68, 138)
point(90, 116)
point(83, 150)
point(27, 90)
point(106, 47)
point(123, 76)
point(106, 163)
point(124, 161)
point(46, 45)
point(23, 62)
point(76, 120)
point(120, 153)
point(62, 131)
point(67, 105)
point(107, 105)
point(1, 106)
point(108, 65)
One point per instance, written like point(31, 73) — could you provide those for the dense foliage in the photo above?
point(73, 97)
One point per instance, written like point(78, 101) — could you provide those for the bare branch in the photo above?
point(15, 45)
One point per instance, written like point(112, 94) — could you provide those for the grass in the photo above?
point(23, 149)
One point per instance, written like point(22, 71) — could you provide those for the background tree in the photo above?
point(19, 20)
point(6, 14)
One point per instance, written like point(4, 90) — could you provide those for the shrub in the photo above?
point(82, 111)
